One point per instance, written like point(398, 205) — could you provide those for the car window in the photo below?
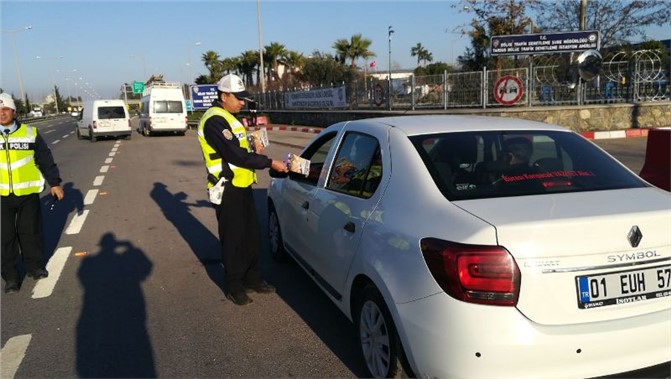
point(316, 153)
point(106, 113)
point(477, 165)
point(358, 166)
point(167, 106)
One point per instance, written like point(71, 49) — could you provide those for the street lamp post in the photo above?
point(53, 83)
point(390, 31)
point(11, 34)
point(190, 74)
point(258, 22)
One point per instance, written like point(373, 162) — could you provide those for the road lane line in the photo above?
point(77, 223)
point(104, 168)
point(98, 180)
point(109, 160)
point(114, 149)
point(65, 136)
point(49, 131)
point(44, 287)
point(90, 196)
point(12, 354)
point(112, 154)
point(56, 141)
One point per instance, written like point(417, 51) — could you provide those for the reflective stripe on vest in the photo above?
point(18, 172)
point(242, 177)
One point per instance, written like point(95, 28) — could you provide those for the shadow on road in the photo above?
point(112, 338)
point(202, 242)
point(300, 292)
point(55, 215)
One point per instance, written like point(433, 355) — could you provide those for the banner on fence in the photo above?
point(318, 98)
point(545, 43)
point(203, 95)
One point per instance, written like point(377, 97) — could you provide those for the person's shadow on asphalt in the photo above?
point(55, 215)
point(112, 338)
point(204, 245)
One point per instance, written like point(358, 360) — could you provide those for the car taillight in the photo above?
point(473, 273)
point(95, 124)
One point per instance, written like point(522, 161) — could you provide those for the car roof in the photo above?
point(430, 124)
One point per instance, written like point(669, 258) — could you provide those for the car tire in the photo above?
point(145, 131)
point(91, 136)
point(275, 236)
point(379, 343)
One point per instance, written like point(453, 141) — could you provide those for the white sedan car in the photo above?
point(481, 247)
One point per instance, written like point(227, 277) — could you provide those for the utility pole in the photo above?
point(583, 14)
point(390, 31)
point(258, 21)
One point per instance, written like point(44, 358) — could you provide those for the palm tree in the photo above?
point(274, 51)
point(211, 60)
point(426, 56)
point(247, 64)
point(417, 51)
point(294, 62)
point(357, 47)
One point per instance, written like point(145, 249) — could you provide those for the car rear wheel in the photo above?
point(275, 234)
point(145, 130)
point(91, 136)
point(380, 345)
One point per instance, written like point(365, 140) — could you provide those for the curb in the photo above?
point(629, 133)
point(287, 129)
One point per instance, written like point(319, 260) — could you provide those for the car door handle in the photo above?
point(305, 205)
point(350, 227)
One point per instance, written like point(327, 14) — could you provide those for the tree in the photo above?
point(247, 65)
point(273, 52)
point(492, 18)
point(323, 70)
point(357, 47)
point(294, 61)
point(617, 21)
point(417, 51)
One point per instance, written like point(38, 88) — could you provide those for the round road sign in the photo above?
point(508, 90)
point(378, 95)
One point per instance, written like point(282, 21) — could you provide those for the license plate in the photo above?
point(623, 287)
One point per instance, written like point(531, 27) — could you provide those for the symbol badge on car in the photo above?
point(634, 236)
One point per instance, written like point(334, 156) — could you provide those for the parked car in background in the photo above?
point(473, 247)
point(657, 166)
point(104, 118)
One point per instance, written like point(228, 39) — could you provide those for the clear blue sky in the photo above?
point(107, 43)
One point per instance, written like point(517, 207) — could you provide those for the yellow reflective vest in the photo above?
point(19, 173)
point(242, 177)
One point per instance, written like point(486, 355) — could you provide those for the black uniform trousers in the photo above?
point(240, 237)
point(21, 234)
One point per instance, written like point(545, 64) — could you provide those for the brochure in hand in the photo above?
point(297, 164)
point(258, 136)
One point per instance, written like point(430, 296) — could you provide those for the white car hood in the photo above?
point(555, 238)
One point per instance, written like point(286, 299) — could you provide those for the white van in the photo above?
point(163, 109)
point(104, 118)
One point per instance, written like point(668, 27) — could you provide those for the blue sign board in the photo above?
point(545, 43)
point(203, 95)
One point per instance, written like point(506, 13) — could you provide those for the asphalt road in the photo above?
point(136, 275)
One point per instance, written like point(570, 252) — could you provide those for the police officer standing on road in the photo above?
point(229, 160)
point(25, 162)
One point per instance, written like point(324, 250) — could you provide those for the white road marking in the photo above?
point(112, 154)
point(49, 131)
point(12, 354)
point(109, 160)
point(104, 168)
point(90, 196)
point(114, 149)
point(65, 136)
point(56, 141)
point(98, 180)
point(77, 223)
point(44, 287)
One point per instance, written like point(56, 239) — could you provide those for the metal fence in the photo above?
point(543, 80)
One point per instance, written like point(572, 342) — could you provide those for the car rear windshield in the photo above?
point(475, 165)
point(168, 106)
point(106, 113)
